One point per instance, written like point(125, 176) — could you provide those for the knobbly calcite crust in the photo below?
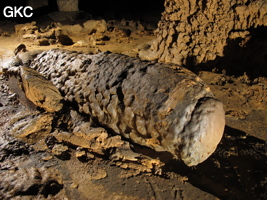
point(200, 30)
point(152, 104)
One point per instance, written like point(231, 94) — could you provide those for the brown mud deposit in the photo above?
point(51, 149)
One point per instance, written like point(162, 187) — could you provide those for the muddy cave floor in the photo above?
point(237, 169)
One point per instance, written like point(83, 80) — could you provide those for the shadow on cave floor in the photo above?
point(236, 170)
point(241, 55)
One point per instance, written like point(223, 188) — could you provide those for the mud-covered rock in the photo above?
point(60, 151)
point(28, 28)
point(52, 34)
point(31, 125)
point(62, 37)
point(81, 153)
point(95, 26)
point(30, 181)
point(12, 147)
point(40, 91)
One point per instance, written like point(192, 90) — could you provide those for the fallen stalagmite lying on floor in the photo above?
point(151, 104)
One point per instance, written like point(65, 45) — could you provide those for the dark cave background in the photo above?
point(118, 9)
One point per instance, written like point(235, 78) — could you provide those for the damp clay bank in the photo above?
point(161, 106)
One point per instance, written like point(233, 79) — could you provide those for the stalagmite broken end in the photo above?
point(204, 131)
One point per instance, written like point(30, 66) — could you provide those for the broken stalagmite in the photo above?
point(164, 107)
point(40, 91)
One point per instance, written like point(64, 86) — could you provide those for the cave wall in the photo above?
point(37, 3)
point(199, 31)
point(68, 5)
point(63, 5)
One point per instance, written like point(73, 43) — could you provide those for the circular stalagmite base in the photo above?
point(204, 131)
